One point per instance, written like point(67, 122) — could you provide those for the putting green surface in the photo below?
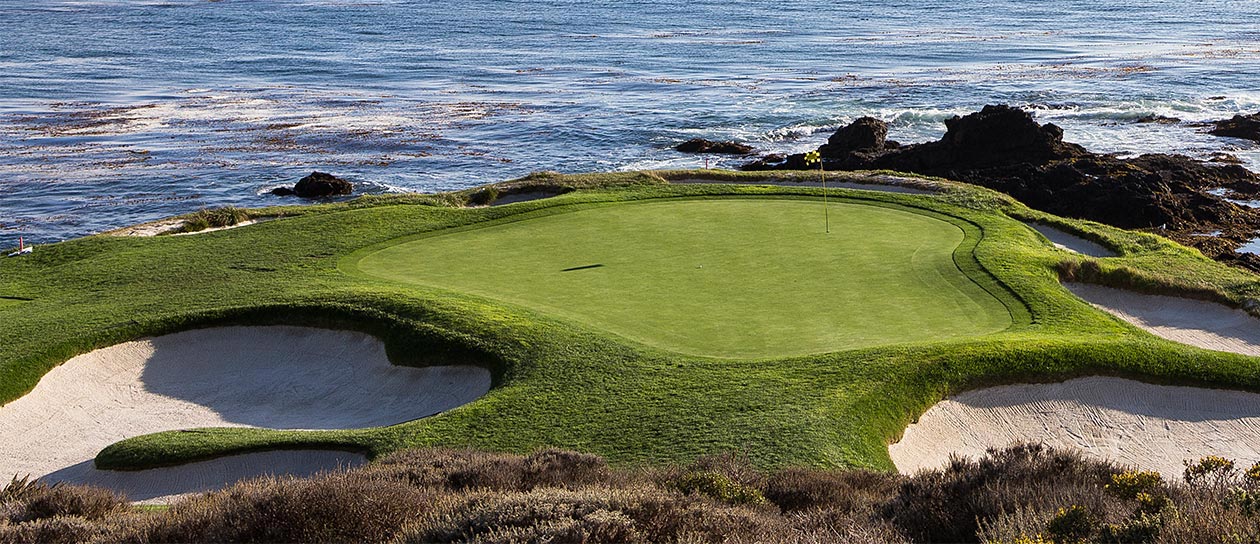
point(726, 277)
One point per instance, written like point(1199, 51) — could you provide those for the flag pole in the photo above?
point(826, 214)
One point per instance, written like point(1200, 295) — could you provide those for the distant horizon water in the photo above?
point(119, 112)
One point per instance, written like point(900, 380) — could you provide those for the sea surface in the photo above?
point(117, 112)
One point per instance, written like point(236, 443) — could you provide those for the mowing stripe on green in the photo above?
point(724, 277)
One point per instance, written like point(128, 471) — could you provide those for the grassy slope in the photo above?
point(560, 383)
point(730, 278)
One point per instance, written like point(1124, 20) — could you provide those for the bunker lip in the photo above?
point(1133, 423)
point(1071, 242)
point(274, 377)
point(1198, 323)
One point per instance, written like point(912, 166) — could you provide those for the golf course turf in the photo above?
point(751, 330)
point(729, 278)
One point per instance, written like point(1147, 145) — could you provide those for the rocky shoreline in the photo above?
point(1194, 202)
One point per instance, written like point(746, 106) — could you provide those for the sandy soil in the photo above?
point(167, 225)
point(152, 228)
point(271, 377)
point(1195, 322)
point(1154, 427)
point(1071, 242)
point(886, 184)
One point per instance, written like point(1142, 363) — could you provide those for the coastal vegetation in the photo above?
point(606, 369)
point(1020, 494)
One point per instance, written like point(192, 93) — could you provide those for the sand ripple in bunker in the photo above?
point(1153, 427)
point(270, 377)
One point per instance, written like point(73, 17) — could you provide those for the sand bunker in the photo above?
point(272, 377)
point(1198, 323)
point(1154, 427)
point(1071, 242)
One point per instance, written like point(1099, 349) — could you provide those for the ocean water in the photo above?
point(116, 112)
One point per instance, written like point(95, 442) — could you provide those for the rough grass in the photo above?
point(560, 382)
point(1025, 493)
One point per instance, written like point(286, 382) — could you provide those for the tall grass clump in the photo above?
point(214, 218)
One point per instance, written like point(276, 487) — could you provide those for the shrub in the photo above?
point(1252, 476)
point(1143, 527)
point(561, 468)
point(1212, 471)
point(1071, 525)
point(25, 500)
point(634, 514)
point(796, 489)
point(55, 530)
point(338, 507)
point(953, 504)
point(718, 486)
point(450, 469)
point(1132, 483)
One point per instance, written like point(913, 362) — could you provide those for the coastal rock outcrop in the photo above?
point(1004, 148)
point(701, 145)
point(317, 185)
point(1240, 126)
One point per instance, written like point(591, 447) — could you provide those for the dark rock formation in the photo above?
point(1158, 120)
point(1240, 126)
point(865, 134)
point(1003, 148)
point(317, 185)
point(701, 145)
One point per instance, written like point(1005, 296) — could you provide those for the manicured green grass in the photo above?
point(561, 378)
point(730, 278)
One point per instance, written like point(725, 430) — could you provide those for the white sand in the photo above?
point(245, 223)
point(1153, 427)
point(272, 377)
point(1071, 242)
point(152, 228)
point(164, 226)
point(1195, 322)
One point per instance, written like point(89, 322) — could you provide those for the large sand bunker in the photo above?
point(1198, 323)
point(1153, 427)
point(271, 377)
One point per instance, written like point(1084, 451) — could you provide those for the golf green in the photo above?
point(725, 277)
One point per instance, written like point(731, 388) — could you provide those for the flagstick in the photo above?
point(826, 215)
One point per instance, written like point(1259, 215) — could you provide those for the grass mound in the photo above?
point(730, 278)
point(831, 344)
